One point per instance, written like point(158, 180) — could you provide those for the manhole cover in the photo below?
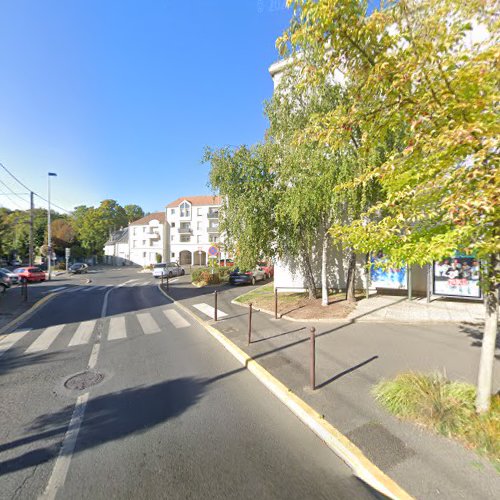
point(83, 380)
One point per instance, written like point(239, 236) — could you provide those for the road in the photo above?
point(174, 416)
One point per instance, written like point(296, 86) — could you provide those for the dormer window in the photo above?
point(185, 209)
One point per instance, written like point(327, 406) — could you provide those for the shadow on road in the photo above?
point(107, 418)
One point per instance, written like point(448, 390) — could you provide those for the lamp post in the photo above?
point(49, 242)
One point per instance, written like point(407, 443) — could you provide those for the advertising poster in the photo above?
point(392, 277)
point(457, 277)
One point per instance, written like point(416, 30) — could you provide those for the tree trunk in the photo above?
point(351, 277)
point(308, 272)
point(485, 376)
point(324, 268)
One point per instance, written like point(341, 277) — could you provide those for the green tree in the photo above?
point(134, 212)
point(428, 68)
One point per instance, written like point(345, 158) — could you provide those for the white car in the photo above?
point(14, 278)
point(170, 270)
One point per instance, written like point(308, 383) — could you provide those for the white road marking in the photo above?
point(125, 283)
point(102, 288)
point(61, 466)
point(175, 318)
point(93, 356)
point(147, 282)
point(44, 341)
point(209, 310)
point(88, 289)
point(57, 289)
point(117, 328)
point(148, 324)
point(11, 339)
point(83, 333)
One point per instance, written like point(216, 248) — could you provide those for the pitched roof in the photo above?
point(120, 236)
point(159, 216)
point(196, 200)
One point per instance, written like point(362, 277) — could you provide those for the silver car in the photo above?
point(171, 269)
point(14, 278)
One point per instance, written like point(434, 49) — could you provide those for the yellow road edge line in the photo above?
point(26, 314)
point(345, 449)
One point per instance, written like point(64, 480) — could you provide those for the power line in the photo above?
point(13, 201)
point(34, 192)
point(16, 194)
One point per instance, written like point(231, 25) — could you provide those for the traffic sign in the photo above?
point(213, 251)
point(67, 252)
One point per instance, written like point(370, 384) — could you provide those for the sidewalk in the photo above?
point(350, 359)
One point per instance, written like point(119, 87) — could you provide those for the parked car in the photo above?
point(30, 273)
point(5, 282)
point(226, 262)
point(238, 277)
point(14, 278)
point(268, 268)
point(15, 262)
point(78, 268)
point(170, 269)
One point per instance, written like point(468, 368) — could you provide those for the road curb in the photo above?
point(26, 314)
point(347, 451)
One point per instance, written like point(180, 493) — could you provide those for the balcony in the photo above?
point(213, 215)
point(152, 235)
point(185, 230)
point(213, 230)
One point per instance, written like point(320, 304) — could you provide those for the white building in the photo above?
point(146, 239)
point(116, 249)
point(192, 228)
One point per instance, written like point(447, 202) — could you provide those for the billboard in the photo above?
point(456, 277)
point(391, 277)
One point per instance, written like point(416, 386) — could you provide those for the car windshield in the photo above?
point(159, 266)
point(35, 270)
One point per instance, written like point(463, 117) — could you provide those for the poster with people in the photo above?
point(386, 277)
point(457, 276)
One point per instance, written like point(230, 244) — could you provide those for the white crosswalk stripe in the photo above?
point(83, 333)
point(45, 339)
point(148, 324)
point(117, 328)
point(11, 339)
point(175, 318)
point(88, 289)
point(58, 289)
point(102, 288)
point(209, 310)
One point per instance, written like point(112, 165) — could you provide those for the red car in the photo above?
point(227, 263)
point(267, 268)
point(30, 273)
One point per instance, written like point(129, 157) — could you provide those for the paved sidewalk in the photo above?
point(351, 359)
point(393, 308)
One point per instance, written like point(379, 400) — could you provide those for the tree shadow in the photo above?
point(107, 418)
point(475, 332)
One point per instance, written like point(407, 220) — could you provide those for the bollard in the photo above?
point(168, 284)
point(26, 292)
point(313, 358)
point(161, 278)
point(275, 303)
point(215, 310)
point(250, 324)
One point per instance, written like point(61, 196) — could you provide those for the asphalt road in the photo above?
point(175, 416)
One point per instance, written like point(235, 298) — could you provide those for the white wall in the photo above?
point(143, 243)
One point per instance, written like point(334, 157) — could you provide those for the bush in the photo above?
point(196, 273)
point(61, 266)
point(444, 406)
point(148, 267)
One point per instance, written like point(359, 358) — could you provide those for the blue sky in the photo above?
point(120, 97)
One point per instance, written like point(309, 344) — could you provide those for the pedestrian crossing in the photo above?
point(209, 310)
point(98, 288)
point(117, 328)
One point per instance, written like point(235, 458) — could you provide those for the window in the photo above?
point(198, 239)
point(185, 238)
point(144, 229)
point(144, 254)
point(171, 238)
point(173, 224)
point(143, 243)
point(185, 225)
point(213, 239)
point(173, 255)
point(185, 209)
point(172, 211)
point(198, 225)
point(199, 212)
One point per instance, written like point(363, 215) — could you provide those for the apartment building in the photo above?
point(116, 249)
point(192, 227)
point(146, 239)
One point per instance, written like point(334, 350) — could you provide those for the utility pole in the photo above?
point(32, 215)
point(49, 234)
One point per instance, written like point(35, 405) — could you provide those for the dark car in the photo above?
point(78, 268)
point(238, 277)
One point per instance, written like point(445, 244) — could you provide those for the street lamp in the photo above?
point(49, 242)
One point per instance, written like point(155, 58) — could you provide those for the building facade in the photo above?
point(191, 229)
point(146, 239)
point(116, 249)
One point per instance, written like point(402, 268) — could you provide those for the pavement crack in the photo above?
point(17, 491)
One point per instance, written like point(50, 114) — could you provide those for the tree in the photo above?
point(426, 70)
point(63, 234)
point(134, 212)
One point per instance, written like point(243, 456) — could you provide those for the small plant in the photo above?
point(158, 258)
point(446, 407)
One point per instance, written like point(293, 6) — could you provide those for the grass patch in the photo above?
point(255, 294)
point(446, 407)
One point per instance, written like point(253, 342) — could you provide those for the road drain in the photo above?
point(83, 380)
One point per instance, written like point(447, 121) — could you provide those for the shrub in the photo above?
point(196, 273)
point(444, 406)
point(61, 266)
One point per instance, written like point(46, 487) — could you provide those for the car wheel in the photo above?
point(170, 274)
point(3, 288)
point(253, 280)
point(183, 272)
